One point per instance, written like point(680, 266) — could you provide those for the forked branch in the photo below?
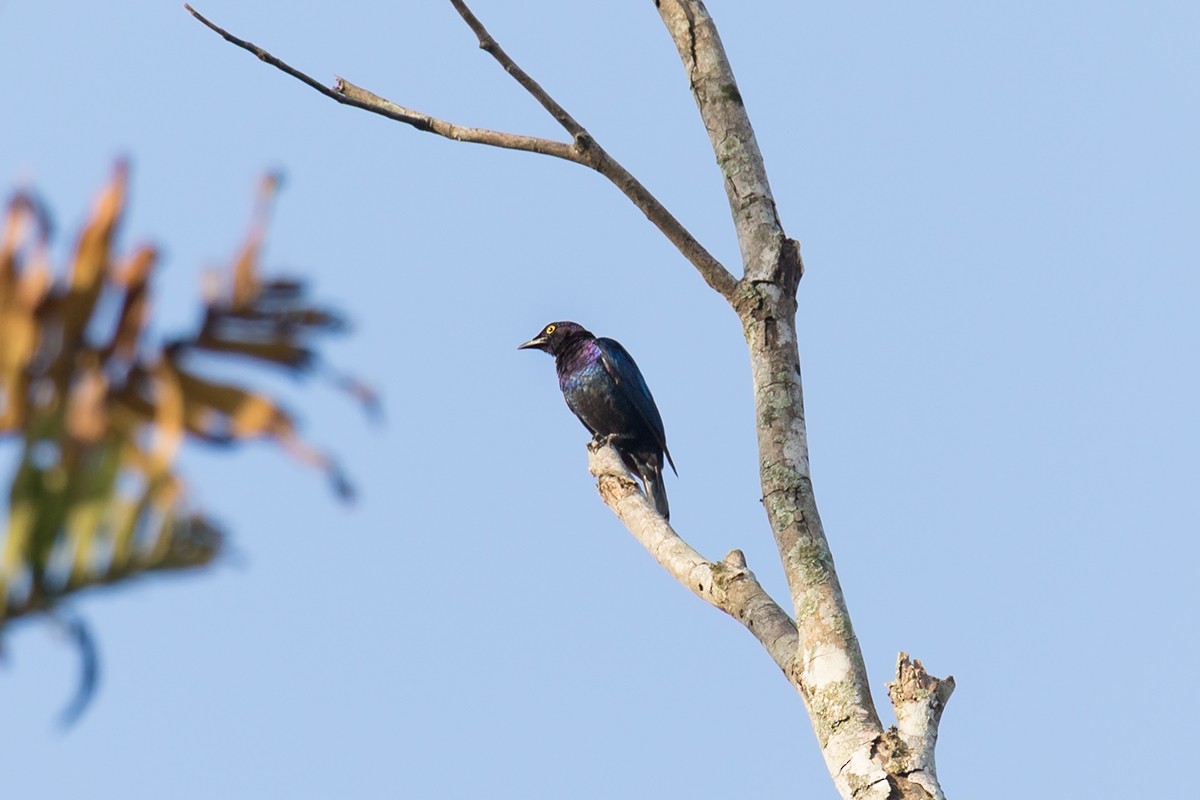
point(583, 149)
point(493, 48)
point(348, 94)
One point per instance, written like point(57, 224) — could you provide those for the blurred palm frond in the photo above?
point(99, 412)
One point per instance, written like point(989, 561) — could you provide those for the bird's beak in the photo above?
point(537, 343)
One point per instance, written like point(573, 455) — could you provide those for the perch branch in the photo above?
point(727, 584)
point(583, 150)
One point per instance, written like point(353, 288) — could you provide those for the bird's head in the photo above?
point(555, 336)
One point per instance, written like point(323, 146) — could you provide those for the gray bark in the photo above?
point(828, 669)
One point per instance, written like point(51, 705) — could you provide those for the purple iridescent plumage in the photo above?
point(605, 389)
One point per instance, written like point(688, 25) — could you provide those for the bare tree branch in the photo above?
point(584, 150)
point(727, 584)
point(919, 699)
point(760, 234)
point(348, 94)
point(830, 673)
point(493, 48)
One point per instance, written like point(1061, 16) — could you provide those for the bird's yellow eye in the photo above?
point(549, 329)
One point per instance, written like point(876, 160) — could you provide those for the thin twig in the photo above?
point(712, 270)
point(348, 94)
point(592, 154)
point(493, 48)
point(584, 150)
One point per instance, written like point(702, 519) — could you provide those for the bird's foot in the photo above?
point(602, 440)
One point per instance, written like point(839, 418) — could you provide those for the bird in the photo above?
point(605, 389)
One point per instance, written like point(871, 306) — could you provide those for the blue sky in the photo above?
point(997, 208)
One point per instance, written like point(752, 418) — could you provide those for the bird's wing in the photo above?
point(624, 372)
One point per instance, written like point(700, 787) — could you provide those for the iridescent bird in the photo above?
point(604, 387)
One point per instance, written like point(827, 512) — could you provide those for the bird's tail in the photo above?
point(652, 477)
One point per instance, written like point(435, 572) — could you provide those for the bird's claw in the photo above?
point(600, 441)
